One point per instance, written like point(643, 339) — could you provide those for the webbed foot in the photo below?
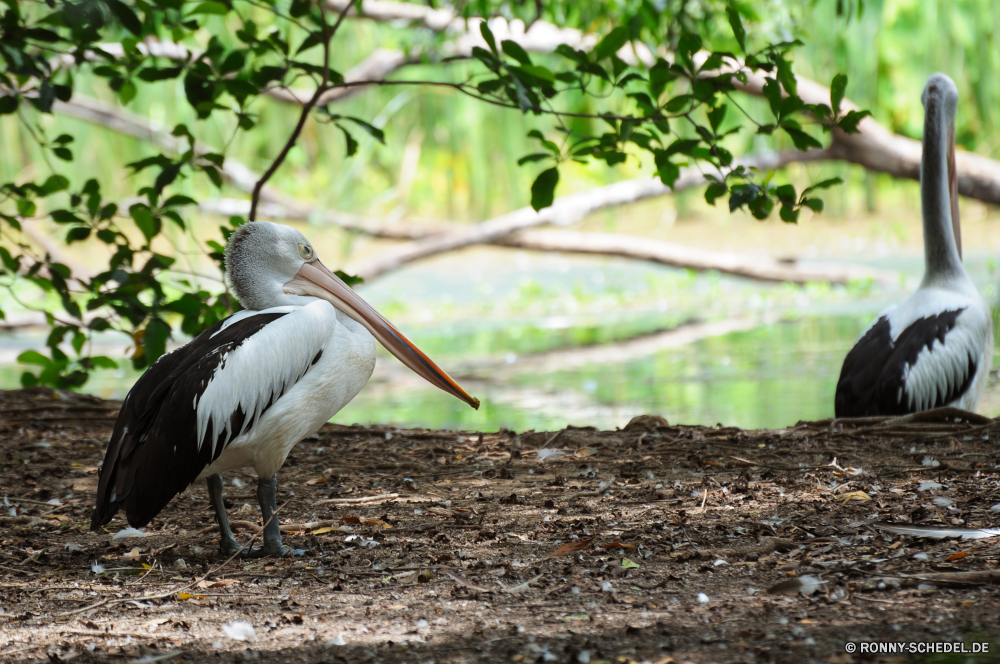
point(270, 549)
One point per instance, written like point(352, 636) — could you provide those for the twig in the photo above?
point(170, 593)
point(306, 108)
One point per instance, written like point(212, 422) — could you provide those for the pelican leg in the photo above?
point(227, 543)
point(267, 497)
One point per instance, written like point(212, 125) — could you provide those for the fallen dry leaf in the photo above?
point(853, 495)
point(618, 545)
point(221, 583)
point(462, 581)
point(573, 547)
point(957, 556)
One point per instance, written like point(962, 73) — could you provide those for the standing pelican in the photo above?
point(935, 348)
point(245, 391)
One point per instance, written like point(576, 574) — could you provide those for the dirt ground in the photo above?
point(656, 543)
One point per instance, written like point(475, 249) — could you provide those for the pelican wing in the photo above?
point(930, 364)
point(189, 405)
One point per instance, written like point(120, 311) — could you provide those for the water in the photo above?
point(545, 341)
point(770, 376)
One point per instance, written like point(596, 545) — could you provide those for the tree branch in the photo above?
point(433, 239)
point(762, 268)
point(328, 34)
point(137, 126)
point(564, 211)
point(874, 147)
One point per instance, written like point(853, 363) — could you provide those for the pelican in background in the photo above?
point(935, 348)
point(245, 391)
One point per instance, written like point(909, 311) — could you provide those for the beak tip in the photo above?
point(474, 403)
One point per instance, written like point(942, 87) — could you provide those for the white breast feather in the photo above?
point(264, 366)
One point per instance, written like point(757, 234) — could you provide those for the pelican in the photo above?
point(935, 348)
point(245, 391)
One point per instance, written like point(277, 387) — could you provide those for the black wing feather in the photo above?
point(153, 453)
point(874, 372)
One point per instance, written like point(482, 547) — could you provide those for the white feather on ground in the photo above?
point(128, 532)
point(938, 533)
point(240, 630)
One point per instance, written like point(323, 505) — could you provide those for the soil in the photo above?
point(655, 543)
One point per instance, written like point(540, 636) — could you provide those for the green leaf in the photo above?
point(678, 103)
point(628, 564)
point(216, 8)
point(102, 362)
point(143, 218)
point(492, 85)
point(788, 214)
point(349, 279)
point(543, 188)
point(737, 25)
point(177, 200)
point(64, 217)
point(63, 153)
point(714, 191)
point(26, 208)
point(772, 91)
point(743, 194)
point(514, 50)
point(9, 262)
point(571, 53)
point(352, 143)
point(537, 156)
point(125, 16)
point(801, 139)
point(153, 74)
point(611, 43)
point(786, 77)
point(837, 89)
point(825, 184)
point(849, 122)
point(716, 115)
point(372, 130)
point(659, 75)
point(814, 204)
point(761, 207)
point(667, 170)
point(785, 192)
point(77, 233)
point(127, 92)
point(154, 342)
point(487, 34)
point(537, 71)
point(8, 105)
point(34, 357)
point(683, 146)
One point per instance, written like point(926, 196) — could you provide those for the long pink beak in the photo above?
point(315, 279)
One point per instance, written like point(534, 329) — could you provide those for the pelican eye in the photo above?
point(305, 251)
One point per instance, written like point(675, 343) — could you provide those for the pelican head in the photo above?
point(940, 100)
point(271, 265)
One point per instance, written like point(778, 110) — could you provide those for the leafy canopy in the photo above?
point(662, 77)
